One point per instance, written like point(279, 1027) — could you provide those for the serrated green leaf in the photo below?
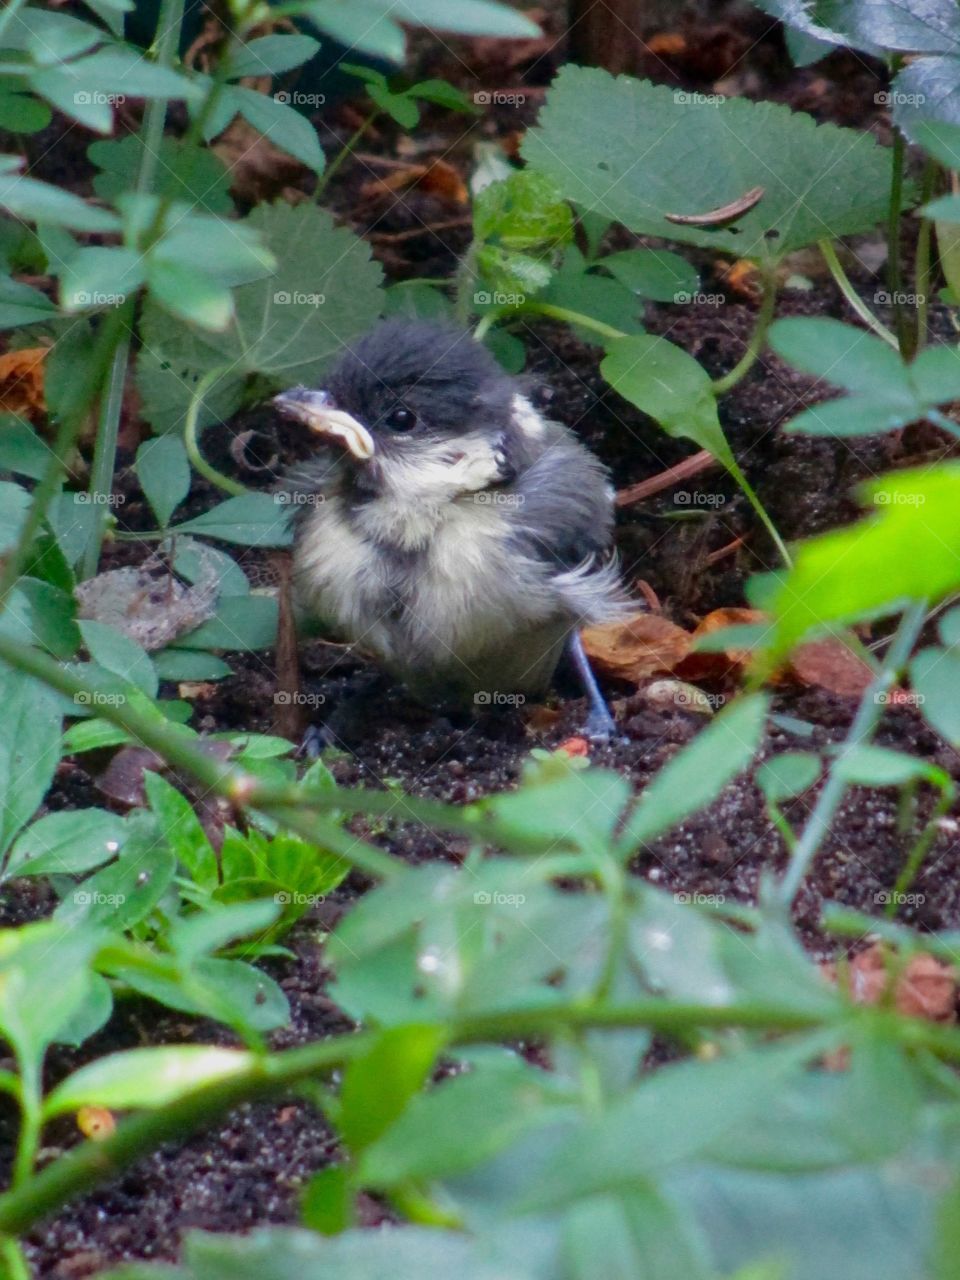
point(188, 174)
point(639, 153)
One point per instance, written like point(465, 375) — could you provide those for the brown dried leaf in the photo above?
point(21, 382)
point(644, 645)
point(700, 666)
point(831, 665)
point(122, 779)
point(926, 988)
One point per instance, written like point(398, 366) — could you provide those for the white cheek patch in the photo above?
point(526, 419)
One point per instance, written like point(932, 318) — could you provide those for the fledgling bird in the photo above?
point(445, 525)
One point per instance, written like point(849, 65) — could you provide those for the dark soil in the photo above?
point(250, 1168)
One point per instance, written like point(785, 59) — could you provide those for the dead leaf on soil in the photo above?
point(148, 603)
point(830, 664)
point(926, 988)
point(644, 645)
point(437, 178)
point(21, 382)
point(701, 666)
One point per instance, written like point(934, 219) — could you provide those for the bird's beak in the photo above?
point(314, 410)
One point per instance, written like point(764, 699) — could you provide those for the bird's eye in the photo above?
point(401, 419)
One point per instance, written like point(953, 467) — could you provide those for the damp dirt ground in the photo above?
point(249, 1168)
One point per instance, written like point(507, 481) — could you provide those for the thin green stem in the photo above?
point(15, 1266)
point(758, 338)
point(923, 273)
point(842, 281)
point(941, 420)
point(31, 1123)
point(240, 788)
point(192, 443)
point(920, 850)
point(864, 724)
point(346, 150)
point(486, 324)
point(573, 317)
point(750, 493)
point(166, 47)
point(105, 448)
point(894, 259)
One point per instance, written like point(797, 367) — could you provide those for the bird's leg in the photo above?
point(600, 725)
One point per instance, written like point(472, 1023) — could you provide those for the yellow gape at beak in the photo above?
point(313, 409)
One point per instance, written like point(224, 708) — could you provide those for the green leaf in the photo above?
point(360, 26)
point(126, 891)
point(45, 978)
point(787, 774)
point(186, 174)
point(29, 749)
point(461, 1123)
point(283, 328)
point(671, 386)
point(878, 564)
point(577, 287)
point(282, 125)
point(272, 55)
point(242, 624)
point(164, 474)
point(935, 679)
point(400, 108)
point(217, 926)
point(50, 37)
point(868, 765)
point(523, 213)
point(443, 94)
point(669, 1117)
point(22, 305)
point(231, 991)
point(66, 843)
point(21, 112)
point(653, 273)
point(99, 277)
point(697, 775)
point(379, 1085)
point(700, 155)
point(39, 613)
point(885, 392)
point(558, 806)
point(145, 1077)
point(181, 828)
point(251, 519)
point(189, 664)
point(14, 503)
point(184, 292)
point(926, 90)
point(328, 1201)
point(38, 202)
point(116, 652)
point(466, 17)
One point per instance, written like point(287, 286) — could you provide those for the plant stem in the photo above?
point(920, 849)
point(864, 723)
point(105, 448)
point(233, 784)
point(757, 340)
point(347, 149)
point(14, 1263)
point(894, 262)
point(842, 281)
point(31, 1110)
point(923, 273)
point(574, 317)
point(734, 468)
point(192, 444)
point(166, 45)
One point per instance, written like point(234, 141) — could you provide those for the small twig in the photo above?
point(685, 470)
point(715, 556)
point(411, 233)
